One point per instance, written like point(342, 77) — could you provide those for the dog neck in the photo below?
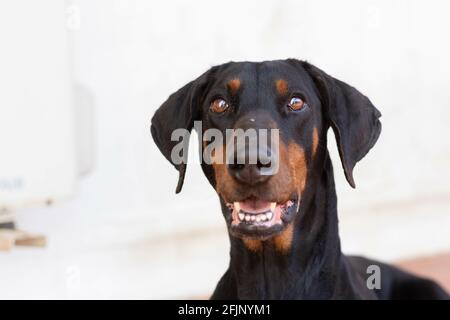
point(303, 264)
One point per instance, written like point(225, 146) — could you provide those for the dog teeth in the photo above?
point(262, 217)
point(237, 206)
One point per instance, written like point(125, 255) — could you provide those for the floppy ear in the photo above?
point(352, 116)
point(179, 111)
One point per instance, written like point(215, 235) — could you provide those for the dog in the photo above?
point(283, 225)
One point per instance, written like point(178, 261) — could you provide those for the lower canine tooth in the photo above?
point(272, 206)
point(241, 216)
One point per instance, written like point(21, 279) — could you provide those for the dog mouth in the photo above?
point(261, 219)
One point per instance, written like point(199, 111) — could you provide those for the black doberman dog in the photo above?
point(283, 227)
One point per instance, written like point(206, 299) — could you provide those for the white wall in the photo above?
point(36, 129)
point(126, 234)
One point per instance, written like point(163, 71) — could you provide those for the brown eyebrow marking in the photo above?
point(282, 87)
point(234, 85)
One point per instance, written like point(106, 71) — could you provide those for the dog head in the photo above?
point(294, 103)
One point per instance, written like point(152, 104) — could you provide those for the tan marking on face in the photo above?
point(297, 164)
point(298, 170)
point(315, 141)
point(234, 85)
point(283, 242)
point(282, 87)
point(252, 244)
point(224, 181)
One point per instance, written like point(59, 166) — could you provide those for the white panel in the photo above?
point(36, 130)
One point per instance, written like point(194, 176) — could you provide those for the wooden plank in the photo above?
point(11, 237)
point(6, 241)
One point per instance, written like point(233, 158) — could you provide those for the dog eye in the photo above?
point(296, 103)
point(219, 105)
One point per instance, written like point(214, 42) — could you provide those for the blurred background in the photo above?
point(82, 180)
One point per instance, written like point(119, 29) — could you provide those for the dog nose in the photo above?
point(249, 172)
point(254, 160)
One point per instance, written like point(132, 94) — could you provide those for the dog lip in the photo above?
point(256, 232)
